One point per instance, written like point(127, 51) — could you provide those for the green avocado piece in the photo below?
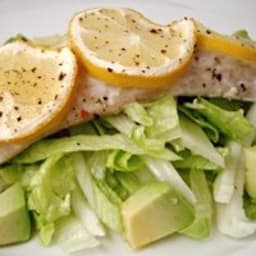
point(250, 173)
point(153, 212)
point(14, 217)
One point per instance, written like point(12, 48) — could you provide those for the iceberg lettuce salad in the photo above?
point(76, 186)
point(182, 164)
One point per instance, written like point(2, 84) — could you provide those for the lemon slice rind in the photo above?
point(171, 46)
point(36, 87)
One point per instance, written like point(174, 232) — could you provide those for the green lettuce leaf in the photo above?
point(45, 148)
point(164, 171)
point(201, 226)
point(49, 194)
point(18, 37)
point(250, 207)
point(242, 34)
point(85, 214)
point(191, 161)
point(123, 161)
point(71, 236)
point(101, 198)
point(165, 118)
point(97, 164)
point(138, 114)
point(129, 181)
point(211, 131)
point(194, 139)
point(233, 124)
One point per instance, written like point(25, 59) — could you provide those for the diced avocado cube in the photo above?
point(14, 217)
point(153, 212)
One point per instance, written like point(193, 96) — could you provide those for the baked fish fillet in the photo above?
point(209, 73)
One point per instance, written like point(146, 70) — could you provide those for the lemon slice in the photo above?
point(123, 48)
point(235, 47)
point(36, 86)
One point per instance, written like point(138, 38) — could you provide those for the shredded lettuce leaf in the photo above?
point(164, 171)
point(191, 161)
point(97, 164)
point(250, 207)
point(101, 198)
point(45, 148)
point(224, 185)
point(85, 214)
point(123, 161)
point(211, 131)
point(201, 226)
point(231, 123)
point(49, 194)
point(129, 181)
point(231, 217)
point(71, 236)
point(194, 138)
point(242, 34)
point(138, 114)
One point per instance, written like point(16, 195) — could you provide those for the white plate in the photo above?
point(35, 17)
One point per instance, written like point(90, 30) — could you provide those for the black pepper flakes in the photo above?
point(1, 113)
point(243, 87)
point(217, 60)
point(19, 119)
point(163, 51)
point(105, 98)
point(61, 76)
point(123, 49)
point(16, 108)
point(110, 70)
point(56, 97)
point(153, 31)
point(78, 144)
point(1, 98)
point(39, 102)
point(218, 77)
point(208, 31)
point(33, 70)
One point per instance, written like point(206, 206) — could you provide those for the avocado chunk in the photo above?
point(14, 217)
point(250, 173)
point(156, 210)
